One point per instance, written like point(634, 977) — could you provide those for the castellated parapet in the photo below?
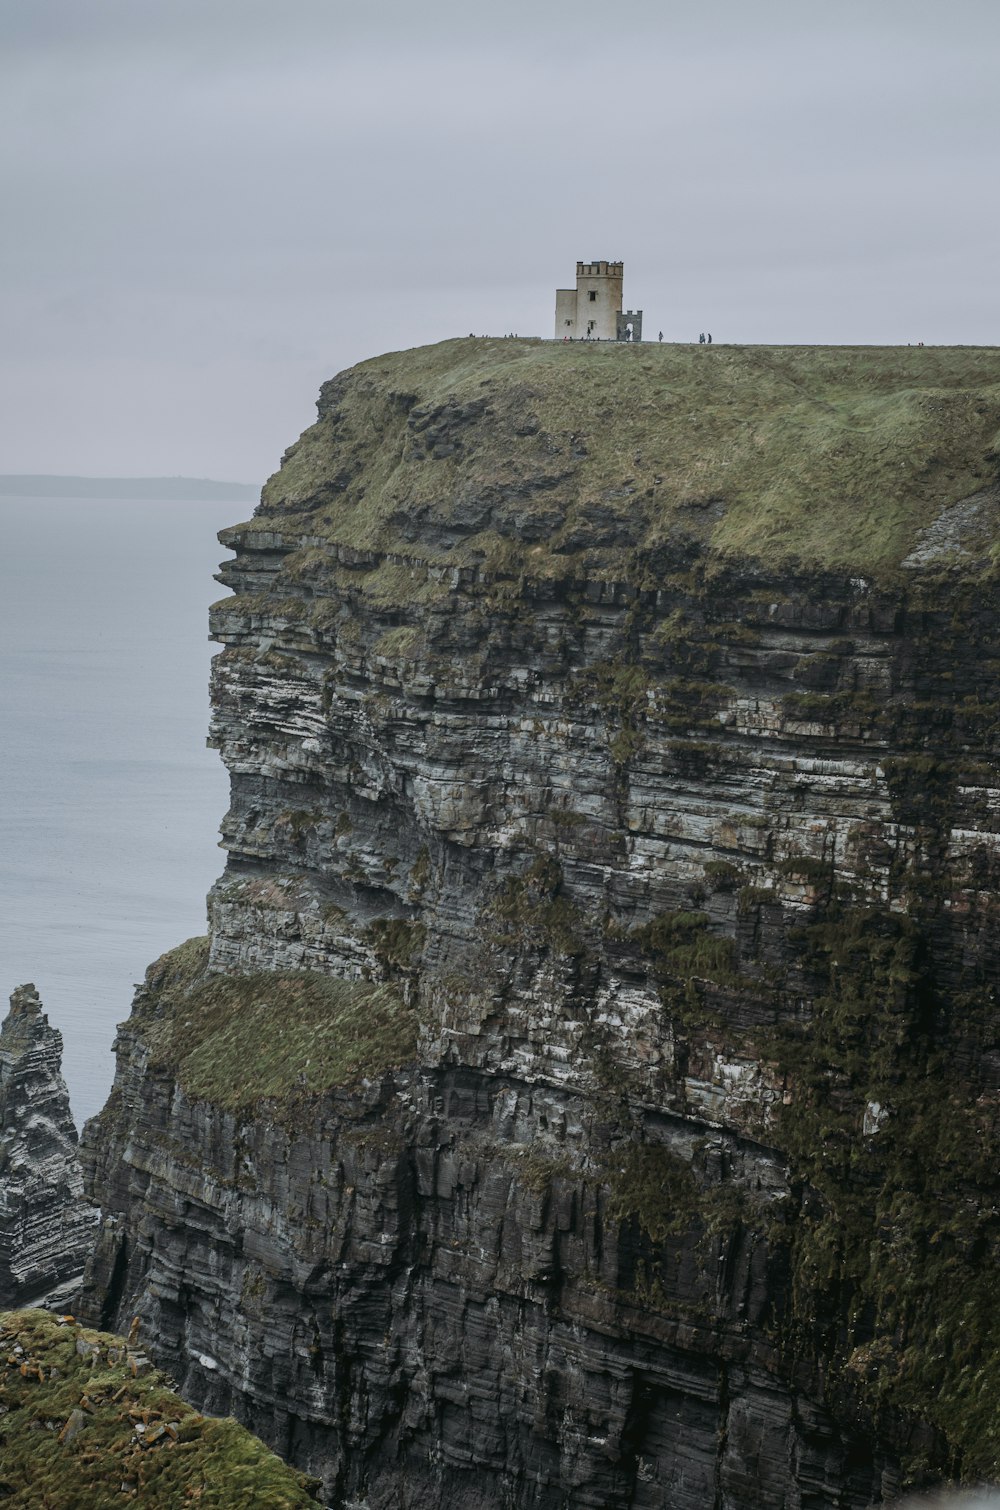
point(591, 310)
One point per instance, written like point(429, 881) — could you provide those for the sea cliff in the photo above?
point(587, 1093)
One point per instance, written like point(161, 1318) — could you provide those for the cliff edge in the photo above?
point(588, 1091)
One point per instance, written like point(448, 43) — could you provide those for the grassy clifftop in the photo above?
point(489, 450)
point(86, 1421)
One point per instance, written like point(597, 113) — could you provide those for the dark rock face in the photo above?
point(46, 1227)
point(690, 1195)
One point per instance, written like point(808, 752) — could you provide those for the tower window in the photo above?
point(593, 296)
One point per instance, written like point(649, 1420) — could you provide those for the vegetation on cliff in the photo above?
point(85, 1421)
point(893, 1266)
point(885, 1262)
point(239, 1039)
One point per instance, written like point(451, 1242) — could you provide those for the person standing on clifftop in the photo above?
point(709, 340)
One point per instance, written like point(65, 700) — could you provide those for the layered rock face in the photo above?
point(46, 1227)
point(587, 1094)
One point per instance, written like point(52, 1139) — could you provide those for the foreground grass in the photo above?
point(830, 456)
point(80, 1429)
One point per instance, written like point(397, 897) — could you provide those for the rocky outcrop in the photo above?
point(46, 1227)
point(588, 1091)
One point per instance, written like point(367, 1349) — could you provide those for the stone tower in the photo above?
point(592, 309)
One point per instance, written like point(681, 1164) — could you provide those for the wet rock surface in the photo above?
point(46, 1227)
point(688, 871)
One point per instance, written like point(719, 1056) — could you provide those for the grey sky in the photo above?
point(211, 205)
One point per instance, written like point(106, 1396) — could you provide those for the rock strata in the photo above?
point(588, 1092)
point(46, 1227)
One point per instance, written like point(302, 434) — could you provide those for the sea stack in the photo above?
point(46, 1227)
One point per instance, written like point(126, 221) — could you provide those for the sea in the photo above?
point(110, 802)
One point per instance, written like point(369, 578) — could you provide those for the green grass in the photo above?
point(831, 456)
point(683, 945)
point(237, 1039)
point(529, 910)
point(652, 1186)
point(191, 1460)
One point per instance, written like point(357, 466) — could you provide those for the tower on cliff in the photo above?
point(593, 310)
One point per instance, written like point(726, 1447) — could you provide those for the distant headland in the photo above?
point(169, 489)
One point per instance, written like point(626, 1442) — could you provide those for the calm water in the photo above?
point(110, 803)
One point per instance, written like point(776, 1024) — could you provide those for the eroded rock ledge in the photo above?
point(588, 1091)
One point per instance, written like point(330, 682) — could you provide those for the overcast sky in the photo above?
point(209, 206)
